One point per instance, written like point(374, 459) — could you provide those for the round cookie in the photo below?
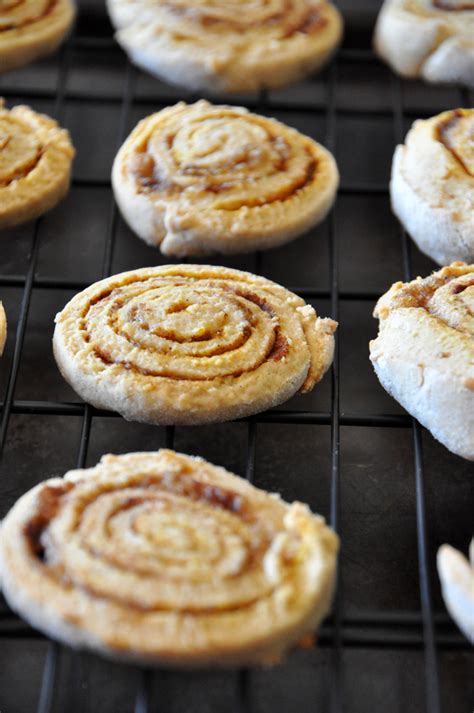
point(430, 39)
point(3, 329)
point(165, 559)
point(456, 575)
point(190, 344)
point(196, 179)
point(35, 164)
point(227, 46)
point(424, 352)
point(30, 29)
point(432, 185)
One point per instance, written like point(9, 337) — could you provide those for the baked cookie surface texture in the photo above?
point(166, 559)
point(430, 39)
point(30, 29)
point(197, 179)
point(424, 352)
point(35, 164)
point(227, 45)
point(432, 185)
point(190, 344)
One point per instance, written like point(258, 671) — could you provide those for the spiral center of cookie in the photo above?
point(217, 153)
point(222, 159)
point(186, 331)
point(161, 531)
point(20, 150)
point(191, 317)
point(216, 145)
point(188, 542)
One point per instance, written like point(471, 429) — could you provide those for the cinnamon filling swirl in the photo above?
point(17, 14)
point(166, 557)
point(211, 328)
point(222, 153)
point(311, 23)
point(456, 132)
point(48, 504)
point(447, 295)
point(289, 16)
point(20, 149)
point(153, 526)
point(453, 5)
point(184, 342)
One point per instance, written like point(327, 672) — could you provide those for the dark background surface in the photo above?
point(379, 564)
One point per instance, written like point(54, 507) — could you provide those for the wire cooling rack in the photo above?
point(390, 657)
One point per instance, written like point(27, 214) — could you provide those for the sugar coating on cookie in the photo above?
point(424, 352)
point(165, 559)
point(190, 344)
point(35, 164)
point(430, 39)
point(196, 179)
point(432, 185)
point(227, 46)
point(30, 29)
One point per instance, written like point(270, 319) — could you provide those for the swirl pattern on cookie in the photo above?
point(190, 344)
point(30, 29)
point(35, 164)
point(165, 558)
point(199, 178)
point(424, 353)
point(228, 46)
point(453, 5)
point(447, 295)
point(432, 185)
point(431, 39)
point(456, 132)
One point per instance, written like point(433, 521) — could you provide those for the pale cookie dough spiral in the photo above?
point(430, 39)
point(3, 329)
point(190, 344)
point(432, 185)
point(199, 178)
point(35, 164)
point(424, 353)
point(166, 559)
point(30, 29)
point(223, 46)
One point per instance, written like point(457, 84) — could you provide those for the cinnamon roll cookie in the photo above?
point(456, 574)
point(190, 344)
point(199, 178)
point(227, 45)
point(3, 329)
point(30, 29)
point(166, 559)
point(424, 353)
point(432, 186)
point(35, 164)
point(430, 39)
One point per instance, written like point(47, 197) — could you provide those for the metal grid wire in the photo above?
point(378, 631)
